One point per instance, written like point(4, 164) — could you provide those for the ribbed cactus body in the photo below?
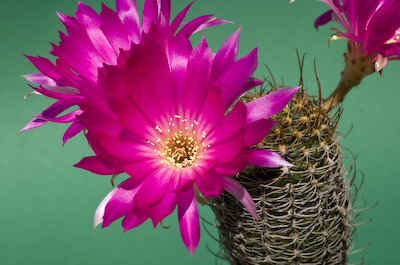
point(305, 210)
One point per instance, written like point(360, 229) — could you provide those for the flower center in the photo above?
point(179, 143)
point(181, 150)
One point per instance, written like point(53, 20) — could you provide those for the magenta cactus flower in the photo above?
point(372, 29)
point(93, 40)
point(168, 116)
point(157, 109)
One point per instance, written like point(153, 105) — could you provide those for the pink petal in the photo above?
point(264, 158)
point(67, 118)
point(140, 169)
point(203, 165)
point(249, 84)
point(113, 80)
point(230, 168)
point(142, 93)
point(193, 25)
point(120, 203)
point(209, 186)
point(385, 17)
point(150, 14)
point(59, 96)
point(45, 66)
point(179, 18)
point(63, 90)
point(230, 125)
point(188, 220)
point(165, 9)
point(96, 100)
point(96, 123)
point(323, 19)
point(184, 179)
point(90, 27)
point(128, 14)
point(163, 208)
point(226, 55)
point(98, 215)
point(233, 80)
point(269, 105)
point(52, 111)
point(77, 57)
point(227, 150)
point(198, 76)
point(154, 187)
point(211, 22)
point(335, 9)
point(85, 10)
point(131, 151)
point(212, 112)
point(133, 120)
point(95, 145)
point(179, 50)
point(132, 220)
point(240, 193)
point(72, 130)
point(78, 50)
point(256, 131)
point(96, 165)
point(114, 30)
point(40, 79)
point(155, 66)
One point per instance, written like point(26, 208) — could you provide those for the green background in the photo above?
point(47, 206)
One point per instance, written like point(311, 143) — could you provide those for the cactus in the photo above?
point(306, 210)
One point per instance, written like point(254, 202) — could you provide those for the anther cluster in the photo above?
point(178, 142)
point(181, 149)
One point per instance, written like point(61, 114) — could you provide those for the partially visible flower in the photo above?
point(94, 39)
point(372, 29)
point(168, 116)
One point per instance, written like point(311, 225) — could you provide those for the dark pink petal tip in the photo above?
point(323, 19)
point(73, 129)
